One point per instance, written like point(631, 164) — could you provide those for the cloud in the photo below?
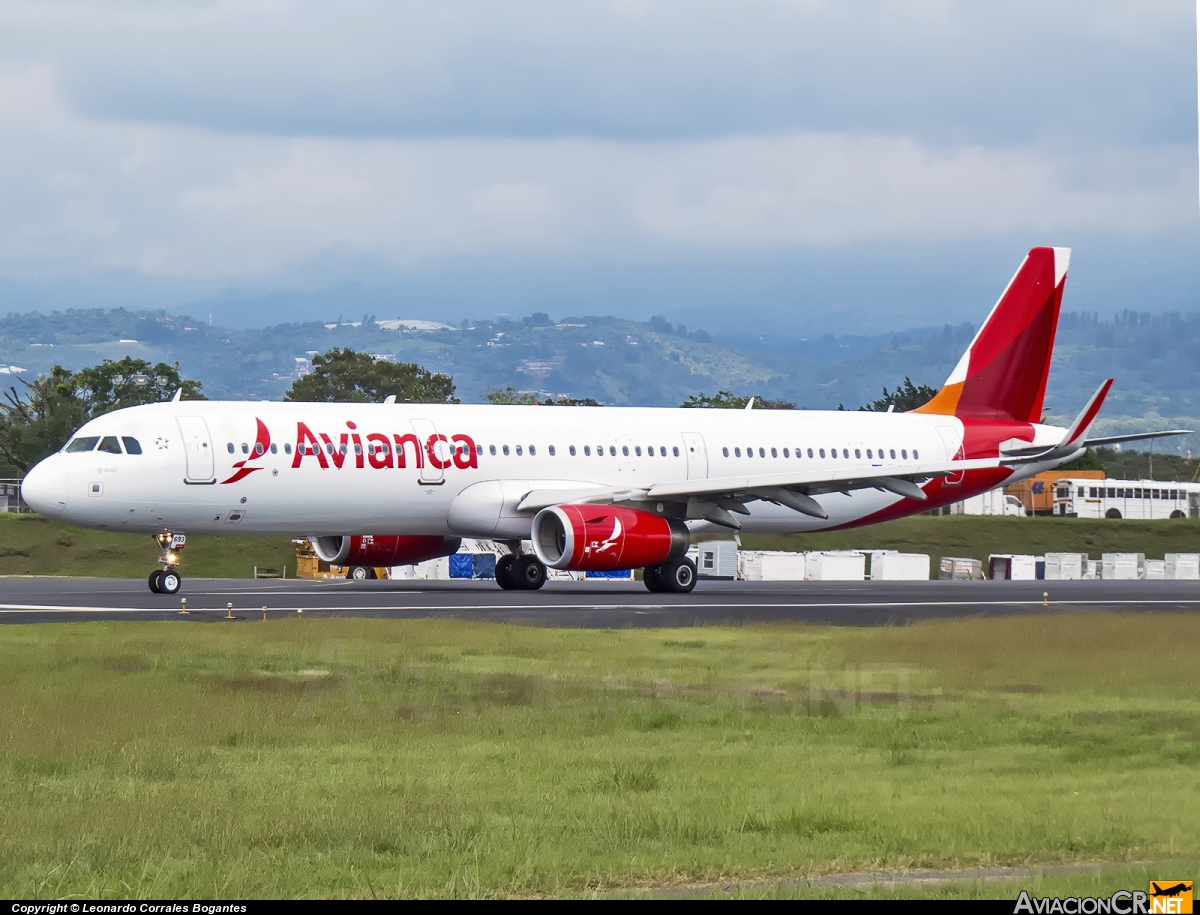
point(171, 200)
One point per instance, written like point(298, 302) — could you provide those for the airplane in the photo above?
point(590, 489)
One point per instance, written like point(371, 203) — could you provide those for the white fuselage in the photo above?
point(199, 471)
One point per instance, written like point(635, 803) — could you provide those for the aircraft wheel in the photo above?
point(361, 573)
point(155, 581)
point(652, 579)
point(528, 572)
point(504, 576)
point(678, 575)
point(169, 582)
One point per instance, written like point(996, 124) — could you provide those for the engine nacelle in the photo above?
point(385, 550)
point(604, 538)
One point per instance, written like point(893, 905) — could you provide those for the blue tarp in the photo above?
point(473, 565)
point(620, 573)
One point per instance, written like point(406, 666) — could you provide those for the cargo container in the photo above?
point(891, 565)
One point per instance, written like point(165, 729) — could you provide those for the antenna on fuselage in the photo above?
point(178, 394)
point(391, 398)
point(750, 404)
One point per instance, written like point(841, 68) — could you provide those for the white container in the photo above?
point(564, 575)
point(1182, 566)
point(1122, 566)
point(835, 565)
point(888, 565)
point(1156, 569)
point(714, 559)
point(958, 568)
point(749, 565)
point(771, 565)
point(1065, 566)
point(429, 570)
point(1092, 570)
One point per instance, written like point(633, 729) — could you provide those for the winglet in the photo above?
point(1084, 420)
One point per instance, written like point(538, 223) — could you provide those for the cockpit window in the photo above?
point(110, 444)
point(83, 443)
point(132, 445)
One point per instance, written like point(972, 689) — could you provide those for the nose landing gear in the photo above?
point(167, 580)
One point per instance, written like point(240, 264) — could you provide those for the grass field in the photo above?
point(32, 545)
point(406, 758)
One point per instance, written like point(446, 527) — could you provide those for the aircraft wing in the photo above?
point(716, 497)
point(1136, 436)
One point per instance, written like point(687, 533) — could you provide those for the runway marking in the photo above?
point(55, 608)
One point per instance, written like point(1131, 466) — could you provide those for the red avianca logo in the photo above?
point(380, 451)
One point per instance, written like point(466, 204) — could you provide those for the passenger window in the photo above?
point(231, 448)
point(916, 457)
point(258, 448)
point(750, 452)
point(491, 449)
point(274, 448)
point(868, 454)
point(625, 450)
point(245, 448)
point(587, 450)
point(893, 454)
point(637, 450)
point(846, 453)
point(504, 448)
point(357, 448)
point(762, 452)
point(612, 450)
point(110, 445)
point(132, 445)
point(857, 453)
point(675, 450)
point(785, 453)
point(737, 452)
point(519, 451)
point(725, 452)
point(822, 452)
point(774, 453)
point(810, 454)
point(904, 454)
point(532, 450)
point(551, 451)
point(287, 448)
point(342, 448)
point(572, 450)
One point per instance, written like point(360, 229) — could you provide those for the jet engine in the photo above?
point(603, 538)
point(385, 550)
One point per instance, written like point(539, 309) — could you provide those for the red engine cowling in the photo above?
point(604, 538)
point(382, 550)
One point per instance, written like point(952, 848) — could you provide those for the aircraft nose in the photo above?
point(45, 488)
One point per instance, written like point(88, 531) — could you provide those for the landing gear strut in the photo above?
point(676, 576)
point(167, 580)
point(520, 572)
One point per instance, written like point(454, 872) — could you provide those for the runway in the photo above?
point(596, 605)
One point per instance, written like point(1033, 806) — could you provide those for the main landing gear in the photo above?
point(520, 572)
point(677, 576)
point(167, 580)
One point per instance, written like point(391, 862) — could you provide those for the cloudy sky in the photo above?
point(792, 164)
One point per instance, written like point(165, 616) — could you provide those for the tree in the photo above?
point(37, 419)
point(727, 401)
point(907, 396)
point(347, 376)
point(129, 383)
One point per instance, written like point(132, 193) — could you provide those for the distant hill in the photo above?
point(1155, 358)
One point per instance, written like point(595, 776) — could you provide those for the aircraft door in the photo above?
point(197, 448)
point(436, 453)
point(697, 456)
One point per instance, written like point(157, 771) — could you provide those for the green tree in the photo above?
point(907, 396)
point(37, 419)
point(130, 382)
point(727, 401)
point(348, 376)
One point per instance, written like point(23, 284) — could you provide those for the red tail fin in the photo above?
point(1003, 373)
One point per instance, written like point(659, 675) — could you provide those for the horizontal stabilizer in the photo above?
point(1133, 437)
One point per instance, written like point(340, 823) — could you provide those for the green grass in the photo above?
point(402, 758)
point(976, 537)
point(33, 545)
